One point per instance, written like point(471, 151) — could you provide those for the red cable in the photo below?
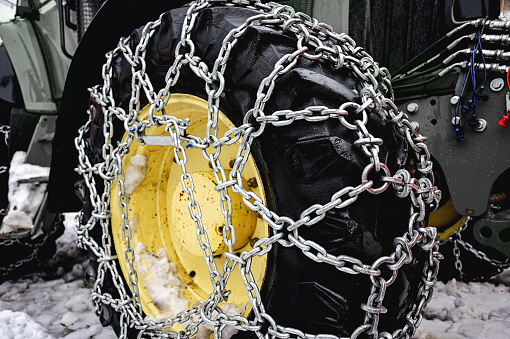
point(507, 81)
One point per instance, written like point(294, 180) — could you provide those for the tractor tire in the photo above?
point(23, 255)
point(298, 165)
point(28, 255)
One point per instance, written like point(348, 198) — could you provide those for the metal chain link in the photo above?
point(26, 242)
point(20, 244)
point(314, 41)
point(456, 239)
point(6, 131)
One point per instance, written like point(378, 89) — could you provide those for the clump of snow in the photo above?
point(230, 309)
point(161, 280)
point(164, 286)
point(24, 197)
point(135, 173)
point(17, 219)
point(503, 278)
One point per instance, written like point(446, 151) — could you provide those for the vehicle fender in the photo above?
point(116, 19)
point(28, 63)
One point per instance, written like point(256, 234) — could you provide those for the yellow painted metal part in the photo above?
point(446, 220)
point(160, 219)
point(243, 219)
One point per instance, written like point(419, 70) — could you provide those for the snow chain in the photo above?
point(21, 244)
point(314, 41)
point(456, 239)
point(27, 244)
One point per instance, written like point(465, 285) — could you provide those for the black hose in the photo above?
point(86, 10)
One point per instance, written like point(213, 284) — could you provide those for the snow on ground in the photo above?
point(42, 306)
point(473, 310)
point(37, 308)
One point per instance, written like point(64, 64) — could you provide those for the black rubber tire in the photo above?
point(29, 255)
point(22, 256)
point(301, 164)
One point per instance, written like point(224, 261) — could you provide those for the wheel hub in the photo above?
point(243, 219)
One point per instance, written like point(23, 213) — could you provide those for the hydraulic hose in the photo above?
point(86, 10)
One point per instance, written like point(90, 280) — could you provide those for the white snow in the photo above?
point(161, 280)
point(135, 173)
point(60, 306)
point(204, 330)
point(468, 310)
point(24, 197)
point(32, 307)
point(165, 287)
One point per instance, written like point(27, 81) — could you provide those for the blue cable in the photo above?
point(477, 92)
point(484, 65)
point(472, 102)
point(459, 136)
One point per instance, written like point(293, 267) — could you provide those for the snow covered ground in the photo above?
point(59, 307)
point(474, 310)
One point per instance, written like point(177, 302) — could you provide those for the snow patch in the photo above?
point(19, 325)
point(161, 281)
point(17, 219)
point(165, 287)
point(204, 330)
point(135, 173)
point(24, 197)
point(467, 310)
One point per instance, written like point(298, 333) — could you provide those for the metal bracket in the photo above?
point(156, 140)
point(39, 152)
point(494, 232)
point(472, 166)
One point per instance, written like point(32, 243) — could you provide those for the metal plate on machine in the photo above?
point(471, 166)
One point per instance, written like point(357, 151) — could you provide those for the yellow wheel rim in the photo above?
point(163, 235)
point(446, 220)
